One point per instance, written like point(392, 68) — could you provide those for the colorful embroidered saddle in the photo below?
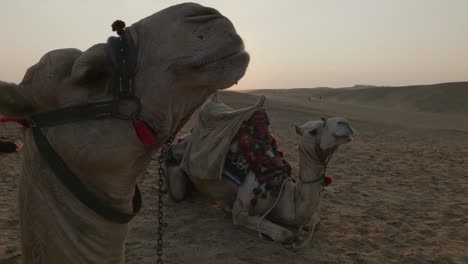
point(257, 151)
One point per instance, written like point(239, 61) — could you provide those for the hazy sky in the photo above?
point(293, 43)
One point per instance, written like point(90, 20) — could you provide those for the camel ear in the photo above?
point(298, 130)
point(14, 102)
point(92, 66)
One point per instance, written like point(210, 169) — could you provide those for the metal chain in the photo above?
point(161, 191)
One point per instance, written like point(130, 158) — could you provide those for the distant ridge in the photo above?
point(444, 98)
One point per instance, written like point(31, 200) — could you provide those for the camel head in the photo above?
point(184, 53)
point(318, 140)
point(328, 134)
point(197, 51)
point(196, 45)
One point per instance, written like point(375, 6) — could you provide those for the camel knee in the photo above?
point(239, 213)
point(177, 183)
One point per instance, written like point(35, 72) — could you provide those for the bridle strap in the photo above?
point(323, 160)
point(77, 188)
point(322, 176)
point(71, 114)
point(122, 53)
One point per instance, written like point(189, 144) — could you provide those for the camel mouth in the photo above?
point(233, 53)
point(344, 136)
point(347, 138)
point(232, 49)
point(237, 56)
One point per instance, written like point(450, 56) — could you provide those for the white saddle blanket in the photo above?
point(211, 138)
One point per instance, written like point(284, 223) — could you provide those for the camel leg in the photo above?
point(240, 214)
point(177, 182)
point(276, 232)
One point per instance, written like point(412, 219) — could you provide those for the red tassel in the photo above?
point(145, 133)
point(328, 180)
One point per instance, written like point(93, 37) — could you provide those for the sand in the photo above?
point(399, 194)
point(448, 98)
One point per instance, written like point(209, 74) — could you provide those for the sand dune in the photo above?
point(399, 191)
point(445, 98)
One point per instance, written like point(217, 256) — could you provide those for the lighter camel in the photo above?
point(291, 215)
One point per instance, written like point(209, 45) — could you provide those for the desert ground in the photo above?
point(399, 193)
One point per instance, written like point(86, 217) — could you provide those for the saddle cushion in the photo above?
point(260, 151)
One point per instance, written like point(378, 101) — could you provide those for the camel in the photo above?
point(288, 215)
point(183, 54)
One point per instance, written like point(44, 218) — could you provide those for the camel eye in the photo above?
point(313, 132)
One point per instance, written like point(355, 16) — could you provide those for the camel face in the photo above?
point(194, 47)
point(185, 53)
point(329, 134)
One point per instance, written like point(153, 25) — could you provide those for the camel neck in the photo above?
point(308, 194)
point(310, 166)
point(169, 111)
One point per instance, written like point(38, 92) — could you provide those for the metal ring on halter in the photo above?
point(135, 113)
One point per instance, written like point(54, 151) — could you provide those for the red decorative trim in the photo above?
point(144, 132)
point(22, 122)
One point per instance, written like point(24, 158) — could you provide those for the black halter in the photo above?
point(123, 55)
